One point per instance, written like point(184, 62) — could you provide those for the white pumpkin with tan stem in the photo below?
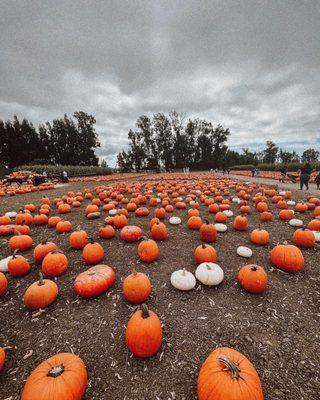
point(183, 280)
point(221, 227)
point(209, 274)
point(243, 251)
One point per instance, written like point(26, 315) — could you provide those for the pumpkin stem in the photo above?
point(208, 267)
point(44, 241)
point(207, 221)
point(231, 366)
point(134, 271)
point(41, 283)
point(184, 272)
point(14, 255)
point(254, 268)
point(203, 246)
point(145, 311)
point(56, 371)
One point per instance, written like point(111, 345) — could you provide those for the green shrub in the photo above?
point(72, 170)
point(243, 167)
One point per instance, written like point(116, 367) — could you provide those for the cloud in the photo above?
point(252, 66)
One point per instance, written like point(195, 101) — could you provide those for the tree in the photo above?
point(270, 153)
point(310, 155)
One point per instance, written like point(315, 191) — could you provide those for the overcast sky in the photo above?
point(253, 66)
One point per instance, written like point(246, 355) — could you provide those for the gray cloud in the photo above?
point(253, 66)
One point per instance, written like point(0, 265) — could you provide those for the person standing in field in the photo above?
point(305, 173)
point(317, 179)
point(283, 172)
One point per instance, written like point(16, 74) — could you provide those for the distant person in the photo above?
point(44, 174)
point(283, 172)
point(317, 180)
point(305, 173)
point(64, 177)
point(253, 171)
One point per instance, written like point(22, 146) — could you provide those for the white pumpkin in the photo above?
point(209, 274)
point(243, 251)
point(183, 280)
point(221, 227)
point(11, 214)
point(228, 213)
point(113, 211)
point(192, 202)
point(236, 200)
point(175, 220)
point(180, 198)
point(291, 202)
point(316, 235)
point(282, 193)
point(295, 222)
point(4, 264)
point(158, 200)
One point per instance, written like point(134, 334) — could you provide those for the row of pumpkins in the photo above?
point(144, 332)
point(13, 190)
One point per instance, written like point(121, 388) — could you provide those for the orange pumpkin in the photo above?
point(136, 287)
point(228, 375)
point(93, 252)
point(95, 281)
point(2, 358)
point(40, 294)
point(18, 265)
point(260, 237)
point(205, 253)
point(208, 232)
point(148, 250)
point(144, 333)
point(287, 258)
point(79, 239)
point(42, 249)
point(61, 377)
point(194, 222)
point(253, 278)
point(107, 232)
point(304, 238)
point(63, 227)
point(159, 231)
point(20, 242)
point(54, 263)
point(3, 284)
point(240, 223)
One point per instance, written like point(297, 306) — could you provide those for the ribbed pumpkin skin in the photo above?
point(70, 385)
point(3, 284)
point(40, 296)
point(214, 383)
point(42, 249)
point(95, 281)
point(136, 287)
point(144, 335)
point(130, 233)
point(2, 358)
point(287, 257)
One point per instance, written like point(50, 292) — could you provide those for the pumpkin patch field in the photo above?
point(160, 286)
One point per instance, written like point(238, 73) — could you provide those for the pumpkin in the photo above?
point(174, 220)
point(93, 252)
point(20, 242)
point(304, 238)
point(40, 294)
point(240, 223)
point(260, 237)
point(194, 223)
point(2, 358)
point(286, 214)
point(3, 284)
point(253, 278)
point(42, 249)
point(266, 216)
point(144, 333)
point(208, 232)
point(136, 287)
point(63, 227)
point(183, 280)
point(221, 227)
point(314, 225)
point(295, 222)
point(287, 257)
point(107, 232)
point(52, 221)
point(5, 220)
point(24, 218)
point(64, 208)
point(221, 217)
point(244, 251)
point(159, 231)
point(160, 213)
point(40, 219)
point(205, 253)
point(120, 221)
point(79, 239)
point(148, 250)
point(94, 281)
point(54, 263)
point(301, 207)
point(91, 209)
point(131, 233)
point(228, 375)
point(209, 274)
point(18, 265)
point(4, 261)
point(60, 377)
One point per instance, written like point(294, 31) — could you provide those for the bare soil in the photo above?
point(278, 330)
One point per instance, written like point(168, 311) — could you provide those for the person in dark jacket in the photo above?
point(305, 173)
point(317, 180)
point(283, 172)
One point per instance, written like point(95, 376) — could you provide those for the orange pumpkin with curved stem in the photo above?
point(54, 263)
point(60, 377)
point(18, 265)
point(136, 287)
point(144, 333)
point(228, 375)
point(40, 294)
point(95, 281)
point(253, 278)
point(148, 250)
point(205, 253)
point(208, 232)
point(93, 252)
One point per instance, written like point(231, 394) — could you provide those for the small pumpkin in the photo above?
point(144, 333)
point(221, 228)
point(64, 227)
point(260, 237)
point(208, 232)
point(205, 253)
point(304, 238)
point(228, 375)
point(174, 220)
point(78, 239)
point(244, 251)
point(209, 274)
point(183, 280)
point(18, 265)
point(94, 281)
point(120, 221)
point(194, 223)
point(240, 223)
point(107, 232)
point(159, 231)
point(295, 222)
point(42, 249)
point(148, 250)
point(136, 287)
point(93, 252)
point(253, 278)
point(40, 294)
point(54, 263)
point(131, 233)
point(60, 377)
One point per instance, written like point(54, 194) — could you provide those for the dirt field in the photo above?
point(279, 331)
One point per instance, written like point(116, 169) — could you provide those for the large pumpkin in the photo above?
point(95, 281)
point(144, 333)
point(40, 294)
point(54, 263)
point(304, 238)
point(287, 257)
point(61, 377)
point(228, 375)
point(253, 278)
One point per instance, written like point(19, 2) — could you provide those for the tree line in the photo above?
point(167, 142)
point(65, 141)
